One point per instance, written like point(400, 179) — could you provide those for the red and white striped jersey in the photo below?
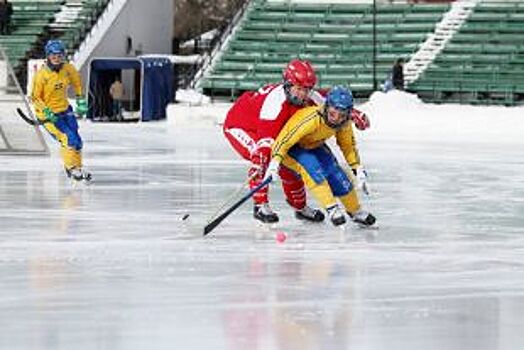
point(262, 113)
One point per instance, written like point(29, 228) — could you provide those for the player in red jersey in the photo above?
point(251, 126)
point(254, 121)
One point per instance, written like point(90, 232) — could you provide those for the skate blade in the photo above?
point(268, 226)
point(80, 183)
point(367, 227)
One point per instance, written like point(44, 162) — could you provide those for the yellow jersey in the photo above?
point(50, 88)
point(307, 129)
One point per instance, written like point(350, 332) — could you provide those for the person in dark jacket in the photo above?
point(6, 10)
point(397, 75)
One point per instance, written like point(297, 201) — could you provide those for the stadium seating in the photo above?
point(484, 62)
point(336, 38)
point(75, 20)
point(28, 23)
point(34, 22)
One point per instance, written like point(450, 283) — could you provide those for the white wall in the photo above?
point(149, 24)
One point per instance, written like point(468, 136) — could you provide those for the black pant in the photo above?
point(4, 27)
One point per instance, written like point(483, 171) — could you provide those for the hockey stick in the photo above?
point(29, 120)
point(209, 227)
point(231, 198)
point(32, 121)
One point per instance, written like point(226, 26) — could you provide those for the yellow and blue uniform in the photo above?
point(301, 147)
point(50, 91)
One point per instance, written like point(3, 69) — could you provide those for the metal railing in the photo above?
point(221, 39)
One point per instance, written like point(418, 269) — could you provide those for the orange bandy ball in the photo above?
point(280, 237)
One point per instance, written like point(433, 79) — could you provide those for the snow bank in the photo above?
point(192, 97)
point(197, 115)
point(403, 116)
point(395, 115)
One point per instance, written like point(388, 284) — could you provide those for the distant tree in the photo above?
point(194, 17)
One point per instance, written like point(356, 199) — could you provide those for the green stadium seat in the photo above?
point(336, 38)
point(483, 63)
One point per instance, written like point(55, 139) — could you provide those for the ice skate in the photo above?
point(264, 213)
point(336, 215)
point(78, 174)
point(309, 214)
point(363, 218)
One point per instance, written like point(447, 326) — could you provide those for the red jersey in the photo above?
point(263, 113)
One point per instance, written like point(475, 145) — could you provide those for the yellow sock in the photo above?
point(323, 195)
point(351, 202)
point(72, 158)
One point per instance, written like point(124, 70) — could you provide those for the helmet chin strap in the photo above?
point(54, 67)
point(294, 100)
point(325, 115)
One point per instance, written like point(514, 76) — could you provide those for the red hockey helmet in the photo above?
point(300, 73)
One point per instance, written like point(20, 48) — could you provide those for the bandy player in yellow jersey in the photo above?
point(49, 97)
point(300, 146)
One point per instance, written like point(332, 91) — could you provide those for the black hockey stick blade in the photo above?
point(29, 120)
point(209, 227)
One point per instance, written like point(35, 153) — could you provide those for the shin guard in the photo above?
point(261, 196)
point(293, 187)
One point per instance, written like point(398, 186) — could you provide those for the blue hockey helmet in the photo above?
point(54, 47)
point(341, 99)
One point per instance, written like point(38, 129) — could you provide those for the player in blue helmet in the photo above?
point(55, 47)
point(300, 146)
point(49, 97)
point(338, 107)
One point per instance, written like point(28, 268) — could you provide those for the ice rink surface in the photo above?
point(113, 266)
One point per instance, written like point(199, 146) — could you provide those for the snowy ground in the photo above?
point(113, 266)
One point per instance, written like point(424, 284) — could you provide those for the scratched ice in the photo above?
point(113, 266)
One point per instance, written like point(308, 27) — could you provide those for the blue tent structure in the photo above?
point(153, 85)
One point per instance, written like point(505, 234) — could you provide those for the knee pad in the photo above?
point(339, 181)
point(310, 164)
point(74, 141)
point(70, 128)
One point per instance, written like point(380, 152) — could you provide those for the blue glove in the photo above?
point(49, 115)
point(81, 106)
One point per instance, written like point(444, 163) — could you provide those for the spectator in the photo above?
point(117, 93)
point(6, 10)
point(388, 83)
point(397, 74)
